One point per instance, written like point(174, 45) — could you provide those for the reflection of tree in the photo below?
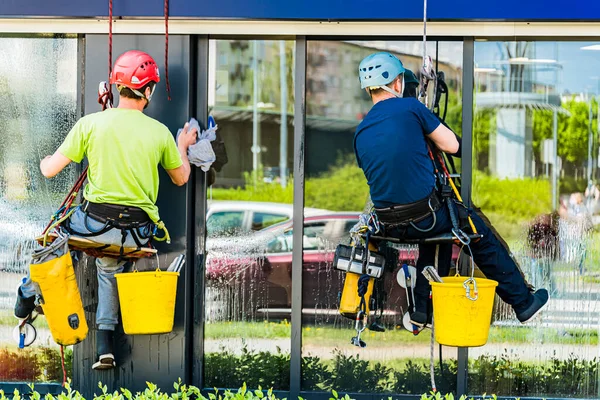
point(241, 74)
point(572, 132)
point(483, 123)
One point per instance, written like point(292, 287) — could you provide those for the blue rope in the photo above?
point(363, 284)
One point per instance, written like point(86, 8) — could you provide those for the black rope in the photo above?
point(363, 284)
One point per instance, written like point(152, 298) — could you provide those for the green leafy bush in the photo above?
point(33, 364)
point(342, 188)
point(262, 368)
point(351, 374)
point(184, 392)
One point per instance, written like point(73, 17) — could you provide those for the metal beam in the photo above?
point(298, 221)
point(467, 174)
point(197, 238)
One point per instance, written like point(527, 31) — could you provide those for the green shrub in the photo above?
point(342, 188)
point(184, 392)
point(33, 364)
point(515, 199)
point(351, 374)
point(262, 368)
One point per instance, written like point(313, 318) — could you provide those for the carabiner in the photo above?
point(461, 236)
point(466, 285)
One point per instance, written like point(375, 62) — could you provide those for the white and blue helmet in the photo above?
point(378, 70)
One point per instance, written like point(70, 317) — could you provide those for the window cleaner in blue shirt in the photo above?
point(391, 147)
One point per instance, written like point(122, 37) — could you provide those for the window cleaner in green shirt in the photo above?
point(124, 148)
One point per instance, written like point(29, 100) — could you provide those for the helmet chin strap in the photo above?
point(140, 94)
point(390, 90)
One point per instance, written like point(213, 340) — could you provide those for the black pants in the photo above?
point(490, 253)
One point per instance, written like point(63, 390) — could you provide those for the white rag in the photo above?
point(202, 154)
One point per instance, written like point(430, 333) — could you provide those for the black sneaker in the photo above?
point(540, 299)
point(104, 347)
point(419, 319)
point(24, 305)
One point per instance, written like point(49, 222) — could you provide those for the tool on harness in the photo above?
point(356, 260)
point(25, 333)
point(52, 270)
point(362, 266)
point(358, 264)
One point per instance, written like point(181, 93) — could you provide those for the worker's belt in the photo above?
point(118, 216)
point(404, 214)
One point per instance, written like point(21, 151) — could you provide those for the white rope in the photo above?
point(424, 31)
point(431, 359)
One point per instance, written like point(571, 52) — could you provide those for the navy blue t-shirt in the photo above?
point(390, 148)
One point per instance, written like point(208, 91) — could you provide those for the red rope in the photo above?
point(110, 20)
point(106, 99)
point(62, 362)
point(167, 48)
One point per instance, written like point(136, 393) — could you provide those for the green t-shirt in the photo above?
point(124, 148)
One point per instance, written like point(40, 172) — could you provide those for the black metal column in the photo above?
point(160, 359)
point(467, 175)
point(298, 221)
point(198, 238)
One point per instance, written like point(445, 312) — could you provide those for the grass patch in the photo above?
point(332, 337)
point(7, 318)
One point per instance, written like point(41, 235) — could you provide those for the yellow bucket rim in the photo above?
point(135, 274)
point(457, 281)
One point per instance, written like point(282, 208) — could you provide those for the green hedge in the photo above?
point(344, 188)
point(184, 392)
point(504, 375)
point(33, 364)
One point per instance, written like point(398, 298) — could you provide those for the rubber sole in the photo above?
point(537, 312)
point(105, 361)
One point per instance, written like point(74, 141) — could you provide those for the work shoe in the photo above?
point(104, 347)
point(24, 305)
point(540, 298)
point(420, 319)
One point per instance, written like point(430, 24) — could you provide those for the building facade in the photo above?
point(257, 301)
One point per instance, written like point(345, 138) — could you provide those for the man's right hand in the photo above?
point(187, 137)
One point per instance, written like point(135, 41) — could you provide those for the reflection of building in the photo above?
point(335, 104)
point(512, 87)
point(331, 86)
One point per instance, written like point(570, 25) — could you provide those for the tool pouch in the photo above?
point(52, 269)
point(351, 259)
point(350, 300)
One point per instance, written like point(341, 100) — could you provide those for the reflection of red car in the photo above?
point(252, 275)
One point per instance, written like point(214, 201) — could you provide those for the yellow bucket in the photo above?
point(147, 301)
point(458, 320)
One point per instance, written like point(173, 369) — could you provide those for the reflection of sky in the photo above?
point(450, 52)
point(579, 67)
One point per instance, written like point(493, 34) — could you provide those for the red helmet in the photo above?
point(134, 69)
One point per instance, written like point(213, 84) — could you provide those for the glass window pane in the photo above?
point(394, 361)
point(262, 220)
point(536, 178)
point(35, 116)
point(225, 223)
point(248, 272)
